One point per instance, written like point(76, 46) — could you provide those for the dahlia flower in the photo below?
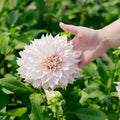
point(118, 88)
point(49, 62)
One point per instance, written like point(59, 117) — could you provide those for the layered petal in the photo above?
point(49, 62)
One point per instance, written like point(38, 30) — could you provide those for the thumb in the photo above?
point(69, 28)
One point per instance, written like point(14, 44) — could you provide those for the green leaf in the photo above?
point(91, 70)
point(2, 4)
point(103, 71)
point(94, 106)
point(11, 60)
point(4, 99)
point(13, 17)
point(25, 99)
point(97, 93)
point(4, 36)
point(30, 18)
point(22, 40)
point(10, 57)
point(40, 7)
point(35, 32)
point(2, 113)
point(18, 112)
point(90, 114)
point(117, 54)
point(72, 101)
point(114, 94)
point(24, 117)
point(13, 85)
point(112, 116)
point(31, 88)
point(4, 43)
point(38, 111)
point(12, 4)
point(84, 97)
point(2, 116)
point(31, 6)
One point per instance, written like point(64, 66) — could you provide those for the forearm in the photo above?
point(110, 34)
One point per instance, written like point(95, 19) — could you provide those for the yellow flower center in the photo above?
point(52, 62)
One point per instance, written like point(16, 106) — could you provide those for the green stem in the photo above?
point(2, 62)
point(113, 79)
point(45, 104)
point(119, 109)
point(58, 117)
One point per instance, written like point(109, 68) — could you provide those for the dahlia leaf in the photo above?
point(18, 112)
point(90, 114)
point(13, 4)
point(91, 70)
point(103, 71)
point(40, 7)
point(4, 99)
point(22, 40)
point(13, 17)
point(13, 85)
point(38, 111)
point(4, 43)
point(1, 4)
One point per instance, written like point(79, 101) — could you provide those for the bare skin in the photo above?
point(93, 43)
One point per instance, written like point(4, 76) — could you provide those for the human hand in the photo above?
point(87, 41)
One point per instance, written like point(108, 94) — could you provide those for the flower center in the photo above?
point(52, 62)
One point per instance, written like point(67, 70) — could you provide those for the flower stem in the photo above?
point(45, 104)
point(119, 109)
point(113, 78)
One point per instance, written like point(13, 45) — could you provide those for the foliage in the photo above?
point(91, 97)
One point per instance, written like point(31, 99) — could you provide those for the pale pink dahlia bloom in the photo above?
point(118, 88)
point(49, 62)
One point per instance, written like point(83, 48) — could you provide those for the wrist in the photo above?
point(103, 39)
point(110, 35)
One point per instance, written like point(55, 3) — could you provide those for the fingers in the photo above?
point(69, 28)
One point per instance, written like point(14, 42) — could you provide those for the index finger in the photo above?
point(69, 28)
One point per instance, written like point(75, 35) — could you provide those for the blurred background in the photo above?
point(40, 16)
point(23, 20)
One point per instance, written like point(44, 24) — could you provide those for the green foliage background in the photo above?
point(91, 97)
